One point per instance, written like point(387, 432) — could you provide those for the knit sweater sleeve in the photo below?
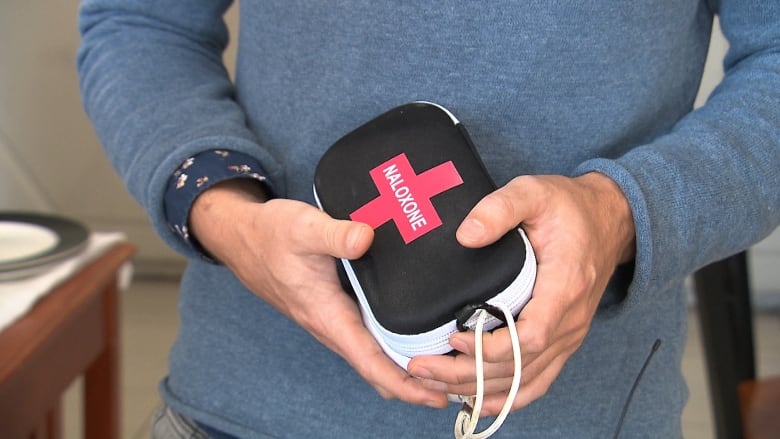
point(711, 187)
point(155, 87)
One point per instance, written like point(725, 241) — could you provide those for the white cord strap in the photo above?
point(468, 417)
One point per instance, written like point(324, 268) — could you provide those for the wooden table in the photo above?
point(761, 407)
point(72, 331)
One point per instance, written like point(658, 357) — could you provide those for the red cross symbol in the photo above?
point(405, 197)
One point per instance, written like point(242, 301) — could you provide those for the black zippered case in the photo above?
point(413, 174)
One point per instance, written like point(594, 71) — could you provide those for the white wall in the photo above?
point(50, 159)
point(18, 188)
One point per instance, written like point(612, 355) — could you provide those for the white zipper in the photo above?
point(436, 341)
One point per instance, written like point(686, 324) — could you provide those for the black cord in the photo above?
point(653, 350)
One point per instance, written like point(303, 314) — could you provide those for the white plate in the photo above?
point(19, 241)
point(30, 242)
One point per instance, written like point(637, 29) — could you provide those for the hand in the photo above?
point(283, 251)
point(581, 229)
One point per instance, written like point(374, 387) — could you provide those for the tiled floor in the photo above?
point(149, 325)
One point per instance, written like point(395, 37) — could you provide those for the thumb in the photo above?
point(499, 212)
point(338, 238)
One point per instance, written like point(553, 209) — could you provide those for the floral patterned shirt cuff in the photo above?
point(195, 176)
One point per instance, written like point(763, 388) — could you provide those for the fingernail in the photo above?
point(471, 230)
point(420, 372)
point(458, 344)
point(354, 236)
point(383, 393)
point(433, 404)
point(435, 385)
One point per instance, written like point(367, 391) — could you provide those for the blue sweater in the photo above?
point(543, 87)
